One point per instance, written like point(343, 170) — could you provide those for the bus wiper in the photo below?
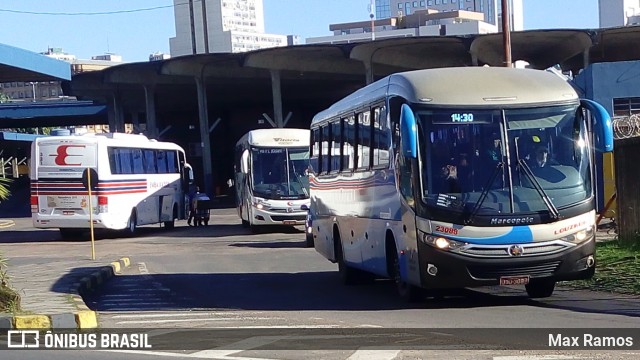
point(545, 198)
point(484, 193)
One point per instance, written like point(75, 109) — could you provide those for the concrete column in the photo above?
point(276, 90)
point(368, 68)
point(111, 115)
point(585, 58)
point(150, 103)
point(115, 114)
point(205, 143)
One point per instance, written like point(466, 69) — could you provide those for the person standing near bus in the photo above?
point(193, 194)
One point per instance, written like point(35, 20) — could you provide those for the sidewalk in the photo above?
point(51, 285)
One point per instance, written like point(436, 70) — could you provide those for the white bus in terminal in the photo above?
point(271, 178)
point(134, 181)
point(459, 177)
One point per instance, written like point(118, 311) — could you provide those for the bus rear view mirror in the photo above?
point(601, 125)
point(408, 132)
point(244, 162)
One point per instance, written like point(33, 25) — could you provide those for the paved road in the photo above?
point(222, 276)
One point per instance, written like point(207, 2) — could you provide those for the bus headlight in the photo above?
point(580, 236)
point(440, 242)
point(260, 204)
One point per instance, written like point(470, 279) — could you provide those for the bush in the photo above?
point(9, 298)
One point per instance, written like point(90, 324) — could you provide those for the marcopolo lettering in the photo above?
point(512, 221)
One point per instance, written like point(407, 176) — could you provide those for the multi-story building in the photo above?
point(227, 26)
point(158, 56)
point(492, 9)
point(615, 13)
point(420, 23)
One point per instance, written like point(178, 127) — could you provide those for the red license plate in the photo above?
point(514, 280)
point(289, 222)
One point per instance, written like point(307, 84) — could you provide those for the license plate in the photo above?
point(289, 222)
point(514, 280)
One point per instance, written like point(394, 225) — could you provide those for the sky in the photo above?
point(74, 26)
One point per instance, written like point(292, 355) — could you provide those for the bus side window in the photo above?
point(336, 138)
point(364, 139)
point(349, 141)
point(325, 155)
point(315, 150)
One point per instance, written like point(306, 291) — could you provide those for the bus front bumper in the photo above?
point(266, 217)
point(443, 269)
point(72, 222)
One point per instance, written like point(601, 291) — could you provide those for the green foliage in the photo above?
point(4, 188)
point(617, 268)
point(4, 98)
point(9, 298)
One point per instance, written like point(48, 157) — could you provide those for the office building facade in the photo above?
point(220, 26)
point(614, 13)
point(492, 9)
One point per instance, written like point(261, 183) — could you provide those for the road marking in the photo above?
point(142, 268)
point(166, 321)
point(374, 355)
point(535, 357)
point(227, 313)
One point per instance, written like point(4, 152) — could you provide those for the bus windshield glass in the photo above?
point(503, 161)
point(280, 173)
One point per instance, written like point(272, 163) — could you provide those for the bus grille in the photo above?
point(290, 217)
point(475, 250)
point(496, 271)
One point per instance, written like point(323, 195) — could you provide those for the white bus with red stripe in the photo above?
point(134, 181)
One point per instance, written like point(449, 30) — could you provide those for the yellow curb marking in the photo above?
point(23, 322)
point(86, 319)
point(126, 261)
point(116, 267)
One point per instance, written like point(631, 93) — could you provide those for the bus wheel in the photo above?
point(132, 226)
point(407, 292)
point(172, 223)
point(540, 288)
point(348, 275)
point(245, 224)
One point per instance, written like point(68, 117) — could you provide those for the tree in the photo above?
point(4, 98)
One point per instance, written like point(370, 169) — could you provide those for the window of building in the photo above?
point(415, 4)
point(400, 6)
point(430, 2)
point(626, 106)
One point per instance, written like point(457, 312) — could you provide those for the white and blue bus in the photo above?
point(459, 177)
point(272, 185)
point(135, 181)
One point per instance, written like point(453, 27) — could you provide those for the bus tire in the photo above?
point(132, 226)
point(348, 275)
point(245, 224)
point(172, 223)
point(406, 291)
point(540, 288)
point(309, 242)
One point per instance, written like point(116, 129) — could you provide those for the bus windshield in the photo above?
point(503, 161)
point(280, 173)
